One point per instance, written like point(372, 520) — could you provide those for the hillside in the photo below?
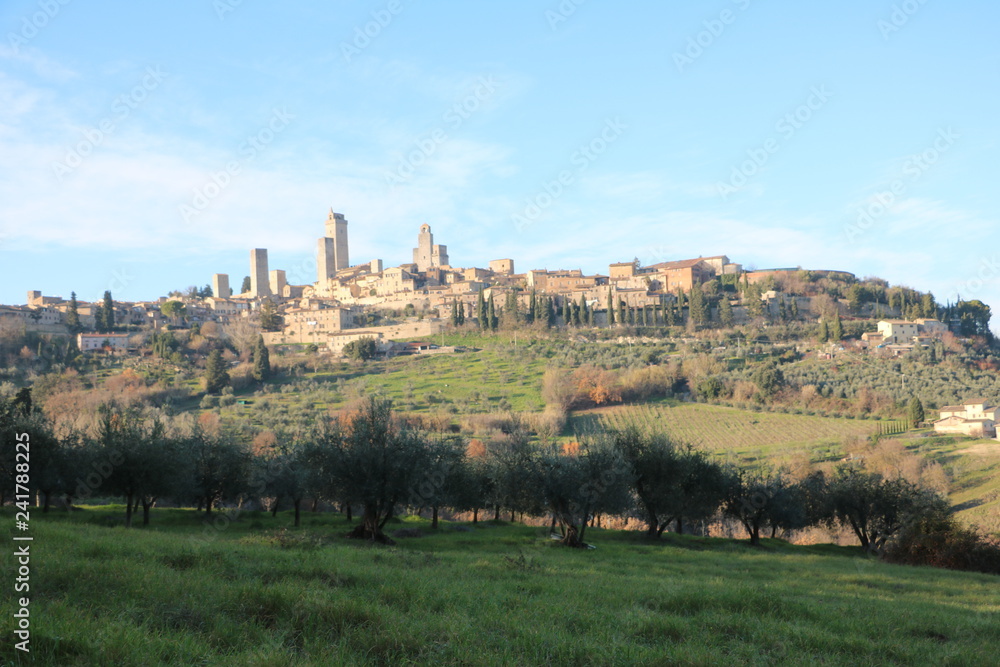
point(249, 594)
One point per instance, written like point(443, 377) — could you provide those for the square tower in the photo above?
point(259, 285)
point(220, 285)
point(277, 282)
point(332, 250)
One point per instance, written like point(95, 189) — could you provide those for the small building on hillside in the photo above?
point(88, 342)
point(975, 417)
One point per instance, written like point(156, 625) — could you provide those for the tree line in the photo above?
point(372, 460)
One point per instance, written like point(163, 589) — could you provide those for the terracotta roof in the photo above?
point(670, 266)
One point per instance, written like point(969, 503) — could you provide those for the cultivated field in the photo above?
point(745, 435)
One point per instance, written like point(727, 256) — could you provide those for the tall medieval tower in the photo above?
point(427, 254)
point(332, 254)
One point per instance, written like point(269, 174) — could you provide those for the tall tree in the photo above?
point(245, 287)
point(73, 315)
point(836, 328)
point(216, 376)
point(108, 311)
point(270, 320)
point(915, 412)
point(611, 307)
point(491, 313)
point(261, 361)
point(482, 316)
point(697, 311)
point(726, 317)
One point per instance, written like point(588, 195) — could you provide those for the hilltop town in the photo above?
point(348, 301)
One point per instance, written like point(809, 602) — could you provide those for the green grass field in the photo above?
point(747, 436)
point(250, 594)
point(974, 468)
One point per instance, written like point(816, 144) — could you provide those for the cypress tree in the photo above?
point(726, 312)
point(916, 412)
point(491, 314)
point(611, 308)
point(73, 315)
point(261, 361)
point(481, 313)
point(216, 376)
point(836, 329)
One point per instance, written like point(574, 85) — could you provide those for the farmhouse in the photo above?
point(975, 417)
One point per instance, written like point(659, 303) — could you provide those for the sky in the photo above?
point(146, 146)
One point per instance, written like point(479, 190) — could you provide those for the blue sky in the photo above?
point(146, 146)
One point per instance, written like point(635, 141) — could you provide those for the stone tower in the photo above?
point(220, 285)
point(259, 283)
point(332, 254)
point(427, 255)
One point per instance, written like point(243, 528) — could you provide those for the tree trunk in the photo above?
point(755, 536)
point(274, 509)
point(680, 526)
point(552, 526)
point(774, 531)
point(434, 517)
point(315, 505)
point(347, 511)
point(298, 504)
point(370, 528)
point(201, 503)
point(496, 516)
point(512, 515)
point(208, 506)
point(128, 510)
point(475, 515)
point(146, 506)
point(45, 507)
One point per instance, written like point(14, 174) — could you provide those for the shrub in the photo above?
point(941, 542)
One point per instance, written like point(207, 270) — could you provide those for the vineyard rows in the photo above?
point(720, 429)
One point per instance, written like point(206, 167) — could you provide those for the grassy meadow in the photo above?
point(259, 592)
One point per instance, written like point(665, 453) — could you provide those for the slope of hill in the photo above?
point(244, 593)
